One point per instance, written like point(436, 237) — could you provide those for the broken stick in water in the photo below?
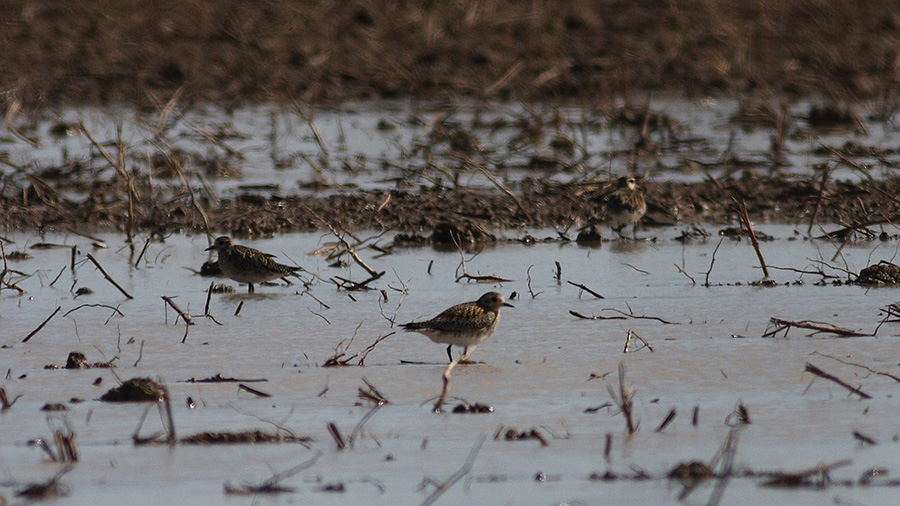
point(108, 277)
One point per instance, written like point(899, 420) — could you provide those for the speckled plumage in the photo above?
point(248, 265)
point(467, 324)
point(626, 205)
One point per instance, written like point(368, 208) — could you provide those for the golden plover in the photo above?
point(467, 324)
point(248, 265)
point(626, 205)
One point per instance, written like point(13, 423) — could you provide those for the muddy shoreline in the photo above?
point(540, 204)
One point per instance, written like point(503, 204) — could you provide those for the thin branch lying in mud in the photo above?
point(353, 286)
point(108, 277)
point(483, 279)
point(873, 371)
point(745, 219)
point(819, 272)
point(115, 309)
point(681, 270)
point(786, 325)
point(712, 262)
point(802, 478)
point(586, 289)
point(335, 432)
point(624, 316)
point(35, 331)
point(826, 264)
point(623, 400)
point(822, 374)
point(667, 420)
point(258, 393)
point(633, 335)
point(458, 475)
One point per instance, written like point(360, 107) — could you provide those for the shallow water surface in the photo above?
point(543, 369)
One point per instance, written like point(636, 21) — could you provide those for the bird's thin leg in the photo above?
point(251, 288)
point(466, 352)
point(446, 388)
point(449, 353)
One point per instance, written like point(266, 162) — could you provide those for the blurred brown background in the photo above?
point(228, 51)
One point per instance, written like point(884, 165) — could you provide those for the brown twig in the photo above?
point(336, 435)
point(668, 419)
point(253, 391)
point(712, 261)
point(108, 277)
point(822, 374)
point(745, 219)
point(873, 371)
point(35, 331)
point(628, 338)
point(188, 321)
point(586, 289)
point(786, 325)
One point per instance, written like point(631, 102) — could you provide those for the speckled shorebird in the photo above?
point(248, 265)
point(626, 205)
point(467, 324)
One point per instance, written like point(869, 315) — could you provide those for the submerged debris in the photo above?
point(135, 390)
point(691, 472)
point(881, 274)
point(243, 437)
point(477, 408)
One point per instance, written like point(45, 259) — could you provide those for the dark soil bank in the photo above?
point(228, 51)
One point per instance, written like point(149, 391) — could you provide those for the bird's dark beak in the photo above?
point(507, 304)
point(209, 248)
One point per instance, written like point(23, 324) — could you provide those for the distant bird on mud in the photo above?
point(626, 205)
point(248, 265)
point(467, 324)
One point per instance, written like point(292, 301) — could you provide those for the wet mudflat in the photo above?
point(556, 433)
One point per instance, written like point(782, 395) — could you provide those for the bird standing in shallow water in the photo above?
point(248, 265)
point(467, 324)
point(626, 205)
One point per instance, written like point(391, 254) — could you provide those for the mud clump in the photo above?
point(880, 274)
point(77, 360)
point(460, 233)
point(210, 268)
point(589, 235)
point(690, 472)
point(135, 390)
point(243, 437)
